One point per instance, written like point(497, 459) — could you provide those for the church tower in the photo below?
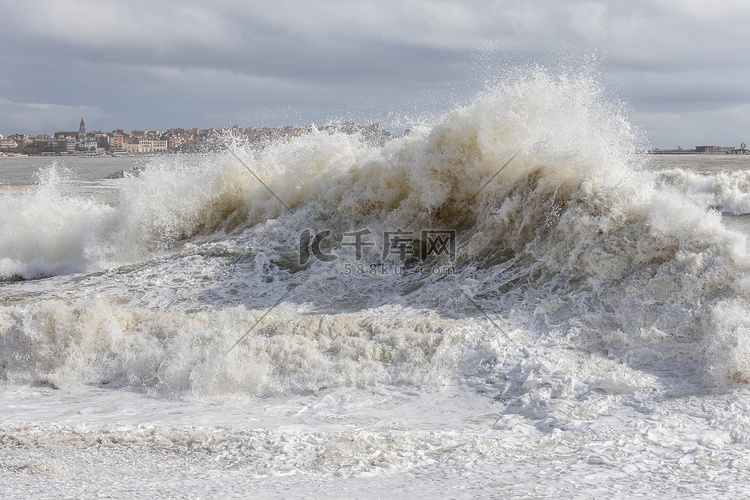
point(82, 130)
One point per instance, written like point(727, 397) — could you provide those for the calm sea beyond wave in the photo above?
point(511, 302)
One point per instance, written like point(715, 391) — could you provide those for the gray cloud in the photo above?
point(142, 64)
point(35, 116)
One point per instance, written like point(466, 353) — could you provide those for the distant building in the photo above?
point(115, 141)
point(173, 141)
point(66, 134)
point(713, 149)
point(132, 147)
point(159, 145)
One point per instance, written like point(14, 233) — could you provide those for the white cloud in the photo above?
point(637, 31)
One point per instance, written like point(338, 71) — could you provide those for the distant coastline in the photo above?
point(178, 140)
point(702, 150)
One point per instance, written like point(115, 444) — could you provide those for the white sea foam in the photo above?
point(727, 191)
point(44, 232)
point(584, 288)
point(560, 233)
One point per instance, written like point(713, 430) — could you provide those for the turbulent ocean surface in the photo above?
point(513, 301)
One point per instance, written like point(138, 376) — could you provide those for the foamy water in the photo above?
point(587, 335)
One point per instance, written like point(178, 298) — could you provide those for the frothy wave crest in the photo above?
point(573, 253)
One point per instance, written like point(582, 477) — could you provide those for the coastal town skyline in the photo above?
point(162, 141)
point(194, 138)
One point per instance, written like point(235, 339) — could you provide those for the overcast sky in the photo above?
point(681, 65)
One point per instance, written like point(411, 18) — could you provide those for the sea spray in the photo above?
point(575, 270)
point(726, 191)
point(43, 232)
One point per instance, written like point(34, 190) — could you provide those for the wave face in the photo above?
point(726, 191)
point(575, 267)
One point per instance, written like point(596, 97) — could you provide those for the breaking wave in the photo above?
point(728, 192)
point(576, 268)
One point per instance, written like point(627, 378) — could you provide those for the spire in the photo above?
point(82, 129)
